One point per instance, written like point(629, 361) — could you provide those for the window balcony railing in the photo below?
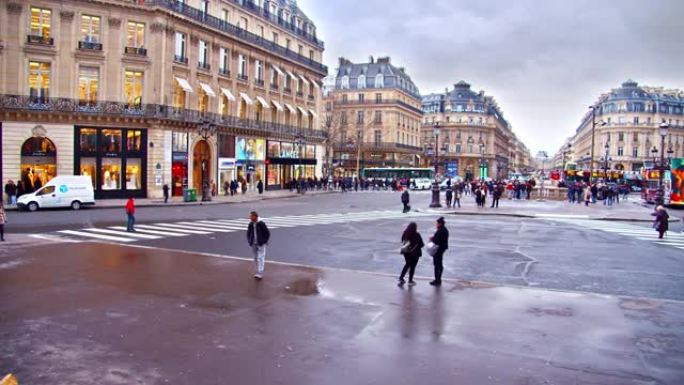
point(242, 77)
point(203, 66)
point(39, 103)
point(224, 72)
point(214, 22)
point(310, 97)
point(180, 59)
point(287, 90)
point(274, 87)
point(40, 39)
point(136, 51)
point(259, 82)
point(300, 94)
point(89, 46)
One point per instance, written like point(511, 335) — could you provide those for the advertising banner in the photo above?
point(677, 175)
point(250, 148)
point(452, 169)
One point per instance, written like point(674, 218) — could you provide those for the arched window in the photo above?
point(379, 81)
point(361, 81)
point(38, 163)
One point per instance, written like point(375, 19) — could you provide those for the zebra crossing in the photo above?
point(164, 230)
point(672, 239)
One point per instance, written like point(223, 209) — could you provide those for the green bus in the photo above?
point(397, 173)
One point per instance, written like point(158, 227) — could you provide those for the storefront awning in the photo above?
point(278, 70)
point(205, 87)
point(313, 113)
point(315, 83)
point(246, 98)
point(184, 84)
point(303, 111)
point(293, 76)
point(289, 107)
point(277, 105)
point(263, 102)
point(228, 94)
point(304, 79)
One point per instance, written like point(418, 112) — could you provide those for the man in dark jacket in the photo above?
point(405, 201)
point(257, 238)
point(441, 239)
point(496, 195)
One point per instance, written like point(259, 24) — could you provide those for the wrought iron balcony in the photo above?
point(224, 26)
point(180, 59)
point(243, 77)
point(154, 112)
point(137, 51)
point(259, 82)
point(287, 90)
point(203, 66)
point(89, 46)
point(274, 87)
point(300, 94)
point(368, 102)
point(40, 39)
point(224, 72)
point(310, 97)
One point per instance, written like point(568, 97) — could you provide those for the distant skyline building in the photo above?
point(627, 126)
point(374, 109)
point(475, 140)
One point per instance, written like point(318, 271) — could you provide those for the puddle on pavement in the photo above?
point(558, 312)
point(463, 285)
point(640, 304)
point(304, 287)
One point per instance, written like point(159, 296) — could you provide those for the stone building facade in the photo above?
point(466, 133)
point(373, 109)
point(138, 94)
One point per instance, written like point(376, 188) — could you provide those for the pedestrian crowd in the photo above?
point(590, 193)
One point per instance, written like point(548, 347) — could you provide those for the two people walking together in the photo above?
point(411, 249)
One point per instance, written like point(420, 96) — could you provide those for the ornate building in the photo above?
point(137, 94)
point(468, 135)
point(626, 124)
point(373, 110)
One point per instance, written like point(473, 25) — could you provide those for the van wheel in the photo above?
point(75, 205)
point(32, 207)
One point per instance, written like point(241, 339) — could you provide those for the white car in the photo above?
point(61, 191)
point(443, 184)
point(421, 184)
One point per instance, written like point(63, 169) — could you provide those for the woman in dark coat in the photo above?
point(660, 224)
point(413, 253)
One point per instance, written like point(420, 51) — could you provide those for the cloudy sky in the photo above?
point(544, 61)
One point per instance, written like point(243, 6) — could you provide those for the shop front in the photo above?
point(179, 163)
point(250, 156)
point(114, 158)
point(38, 163)
point(287, 161)
point(226, 169)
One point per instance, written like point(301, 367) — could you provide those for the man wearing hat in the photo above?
point(441, 239)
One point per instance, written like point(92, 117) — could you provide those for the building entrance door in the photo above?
point(201, 165)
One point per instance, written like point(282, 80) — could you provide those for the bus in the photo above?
point(397, 173)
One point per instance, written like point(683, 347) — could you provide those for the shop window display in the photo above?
point(111, 174)
point(88, 168)
point(133, 174)
point(88, 139)
point(111, 141)
point(274, 149)
point(38, 163)
point(134, 140)
point(273, 174)
point(310, 151)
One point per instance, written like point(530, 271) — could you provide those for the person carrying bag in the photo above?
point(411, 249)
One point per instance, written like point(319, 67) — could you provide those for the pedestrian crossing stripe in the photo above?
point(156, 231)
point(671, 239)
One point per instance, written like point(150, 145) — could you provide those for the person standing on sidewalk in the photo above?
point(11, 191)
point(441, 239)
point(449, 196)
point(166, 193)
point(405, 200)
point(260, 186)
point(496, 195)
point(3, 220)
point(257, 238)
point(130, 214)
point(411, 252)
point(587, 196)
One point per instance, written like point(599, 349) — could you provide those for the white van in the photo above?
point(61, 191)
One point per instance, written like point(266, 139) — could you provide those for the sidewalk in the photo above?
point(107, 314)
point(631, 210)
point(250, 196)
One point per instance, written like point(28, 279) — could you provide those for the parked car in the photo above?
point(72, 191)
point(422, 184)
point(443, 184)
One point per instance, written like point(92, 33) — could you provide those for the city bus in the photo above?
point(397, 173)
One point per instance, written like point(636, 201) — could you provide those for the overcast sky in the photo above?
point(544, 61)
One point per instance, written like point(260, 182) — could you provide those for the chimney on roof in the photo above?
point(344, 61)
point(384, 59)
point(402, 69)
point(482, 92)
point(371, 60)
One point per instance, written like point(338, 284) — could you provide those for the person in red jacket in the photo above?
point(130, 213)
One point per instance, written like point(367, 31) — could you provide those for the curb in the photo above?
point(518, 215)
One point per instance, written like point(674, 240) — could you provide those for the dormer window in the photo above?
point(344, 83)
point(379, 81)
point(361, 81)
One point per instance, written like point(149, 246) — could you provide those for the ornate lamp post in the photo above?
point(593, 134)
point(300, 144)
point(435, 185)
point(606, 159)
point(660, 194)
point(482, 160)
point(206, 129)
point(359, 136)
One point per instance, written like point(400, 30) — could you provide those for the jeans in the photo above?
point(13, 200)
point(131, 222)
point(259, 253)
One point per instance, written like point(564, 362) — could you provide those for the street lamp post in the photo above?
point(435, 186)
point(358, 152)
point(606, 159)
point(593, 135)
point(660, 194)
point(300, 145)
point(206, 129)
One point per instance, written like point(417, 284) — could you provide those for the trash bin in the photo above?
point(189, 195)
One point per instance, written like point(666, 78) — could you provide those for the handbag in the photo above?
point(431, 248)
point(405, 247)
